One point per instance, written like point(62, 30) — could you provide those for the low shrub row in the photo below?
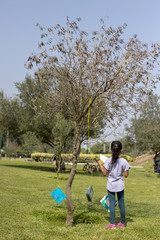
point(39, 157)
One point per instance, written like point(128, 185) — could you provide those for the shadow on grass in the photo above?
point(88, 213)
point(36, 168)
point(52, 217)
point(86, 217)
point(57, 217)
point(49, 169)
point(95, 213)
point(96, 217)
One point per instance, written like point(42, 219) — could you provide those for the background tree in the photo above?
point(99, 147)
point(18, 118)
point(29, 143)
point(10, 114)
point(10, 120)
point(129, 145)
point(145, 128)
point(92, 67)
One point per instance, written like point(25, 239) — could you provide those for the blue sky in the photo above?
point(19, 36)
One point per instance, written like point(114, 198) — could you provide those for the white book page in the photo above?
point(103, 158)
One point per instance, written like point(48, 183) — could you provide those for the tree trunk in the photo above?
point(76, 151)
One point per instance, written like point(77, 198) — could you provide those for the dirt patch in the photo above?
point(142, 160)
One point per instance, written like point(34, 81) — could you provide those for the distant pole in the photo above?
point(104, 147)
point(6, 143)
point(115, 128)
point(1, 134)
point(109, 147)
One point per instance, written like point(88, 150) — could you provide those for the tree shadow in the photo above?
point(49, 169)
point(36, 168)
point(95, 213)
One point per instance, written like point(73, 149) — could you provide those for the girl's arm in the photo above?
point(126, 173)
point(103, 170)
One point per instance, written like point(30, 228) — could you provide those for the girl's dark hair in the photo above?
point(116, 147)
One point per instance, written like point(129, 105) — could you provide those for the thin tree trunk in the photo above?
point(76, 149)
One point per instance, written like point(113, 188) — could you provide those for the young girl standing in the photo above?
point(115, 167)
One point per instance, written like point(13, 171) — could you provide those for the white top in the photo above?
point(115, 182)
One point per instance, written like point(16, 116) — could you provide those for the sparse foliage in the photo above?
point(99, 66)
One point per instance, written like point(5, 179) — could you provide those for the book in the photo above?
point(89, 193)
point(58, 195)
point(105, 202)
point(103, 158)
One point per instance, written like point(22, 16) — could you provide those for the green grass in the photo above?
point(27, 211)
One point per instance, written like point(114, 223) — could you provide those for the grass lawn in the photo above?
point(27, 210)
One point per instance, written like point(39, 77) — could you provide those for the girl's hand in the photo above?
point(103, 170)
point(126, 173)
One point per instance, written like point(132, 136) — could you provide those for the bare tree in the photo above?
point(99, 66)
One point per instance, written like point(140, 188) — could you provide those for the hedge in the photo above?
point(40, 157)
point(68, 157)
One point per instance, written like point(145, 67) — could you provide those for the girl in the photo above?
point(115, 167)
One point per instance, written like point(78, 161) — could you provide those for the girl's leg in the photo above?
point(112, 206)
point(120, 196)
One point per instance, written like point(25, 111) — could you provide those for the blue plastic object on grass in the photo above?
point(58, 195)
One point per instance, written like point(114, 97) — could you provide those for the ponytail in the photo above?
point(116, 148)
